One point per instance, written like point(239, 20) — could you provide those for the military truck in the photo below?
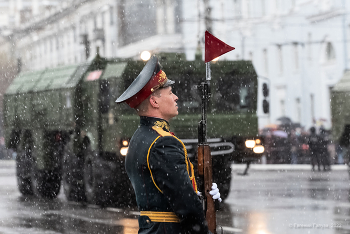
point(340, 107)
point(66, 128)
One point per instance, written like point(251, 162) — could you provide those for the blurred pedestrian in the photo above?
point(344, 143)
point(313, 143)
point(339, 154)
point(323, 147)
point(294, 147)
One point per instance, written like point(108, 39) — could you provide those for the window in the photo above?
point(46, 46)
point(263, 8)
point(298, 110)
point(103, 15)
point(111, 15)
point(277, 7)
point(57, 43)
point(330, 53)
point(280, 58)
point(293, 4)
point(74, 34)
point(237, 9)
point(234, 93)
point(251, 56)
point(312, 106)
point(248, 10)
point(326, 5)
point(113, 48)
point(68, 37)
point(296, 56)
point(309, 47)
point(283, 108)
point(265, 62)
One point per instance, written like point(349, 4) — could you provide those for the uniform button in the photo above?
point(148, 221)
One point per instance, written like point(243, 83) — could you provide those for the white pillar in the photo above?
point(35, 7)
point(160, 17)
point(170, 17)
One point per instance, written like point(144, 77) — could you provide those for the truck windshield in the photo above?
point(230, 94)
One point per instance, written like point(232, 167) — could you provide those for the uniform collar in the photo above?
point(151, 121)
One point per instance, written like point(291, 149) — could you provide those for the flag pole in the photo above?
point(208, 71)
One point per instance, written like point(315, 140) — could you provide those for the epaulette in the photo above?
point(160, 131)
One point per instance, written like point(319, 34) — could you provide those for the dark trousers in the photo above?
point(315, 159)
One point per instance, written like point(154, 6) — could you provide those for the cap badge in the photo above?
point(161, 76)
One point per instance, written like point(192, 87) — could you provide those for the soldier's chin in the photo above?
point(177, 113)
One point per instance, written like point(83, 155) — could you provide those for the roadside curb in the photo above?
point(7, 163)
point(266, 167)
point(274, 167)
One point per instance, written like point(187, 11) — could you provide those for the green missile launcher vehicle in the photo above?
point(67, 129)
point(340, 107)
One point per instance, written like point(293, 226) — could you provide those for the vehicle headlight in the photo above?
point(250, 143)
point(124, 151)
point(259, 149)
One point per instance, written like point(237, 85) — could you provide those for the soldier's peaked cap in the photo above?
point(149, 80)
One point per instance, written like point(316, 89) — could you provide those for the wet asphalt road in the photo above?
point(272, 199)
point(291, 200)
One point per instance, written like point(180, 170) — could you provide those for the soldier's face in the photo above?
point(167, 102)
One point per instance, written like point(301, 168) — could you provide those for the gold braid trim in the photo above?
point(164, 217)
point(149, 166)
point(189, 165)
point(188, 162)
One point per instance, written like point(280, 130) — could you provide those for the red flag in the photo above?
point(214, 47)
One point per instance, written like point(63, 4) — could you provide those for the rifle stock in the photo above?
point(205, 171)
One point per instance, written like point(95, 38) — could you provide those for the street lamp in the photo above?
point(145, 55)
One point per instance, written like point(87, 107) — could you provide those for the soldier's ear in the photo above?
point(154, 101)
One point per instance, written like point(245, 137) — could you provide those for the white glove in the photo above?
point(215, 192)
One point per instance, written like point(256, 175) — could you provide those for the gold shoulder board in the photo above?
point(160, 131)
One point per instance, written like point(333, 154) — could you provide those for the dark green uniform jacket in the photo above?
point(166, 169)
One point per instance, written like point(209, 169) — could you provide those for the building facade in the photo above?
point(14, 13)
point(298, 47)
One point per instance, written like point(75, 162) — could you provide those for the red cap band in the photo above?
point(153, 84)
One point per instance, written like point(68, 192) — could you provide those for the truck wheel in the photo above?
point(99, 188)
point(90, 180)
point(73, 177)
point(24, 182)
point(123, 190)
point(46, 183)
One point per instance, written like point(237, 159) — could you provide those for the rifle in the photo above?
point(204, 157)
point(214, 47)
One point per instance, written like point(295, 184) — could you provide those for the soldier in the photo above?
point(344, 143)
point(157, 163)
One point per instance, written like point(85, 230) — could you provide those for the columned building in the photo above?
point(298, 47)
